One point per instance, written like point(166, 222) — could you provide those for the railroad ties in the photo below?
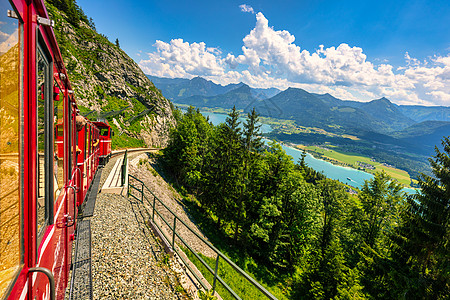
point(81, 280)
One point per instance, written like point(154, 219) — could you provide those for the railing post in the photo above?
point(128, 186)
point(215, 274)
point(153, 213)
point(124, 167)
point(173, 229)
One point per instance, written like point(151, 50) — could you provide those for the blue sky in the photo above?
point(359, 50)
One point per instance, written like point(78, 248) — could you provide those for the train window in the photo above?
point(58, 147)
point(44, 144)
point(70, 139)
point(11, 153)
point(104, 131)
point(85, 142)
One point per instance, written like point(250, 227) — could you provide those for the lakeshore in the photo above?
point(334, 164)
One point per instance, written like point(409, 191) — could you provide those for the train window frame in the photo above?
point(56, 134)
point(41, 46)
point(85, 142)
point(21, 149)
point(70, 152)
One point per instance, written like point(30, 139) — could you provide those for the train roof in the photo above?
point(101, 123)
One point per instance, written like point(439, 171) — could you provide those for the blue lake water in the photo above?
point(220, 118)
point(348, 176)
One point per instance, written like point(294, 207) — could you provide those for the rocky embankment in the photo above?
point(106, 80)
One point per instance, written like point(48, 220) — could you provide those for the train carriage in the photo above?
point(46, 162)
point(105, 140)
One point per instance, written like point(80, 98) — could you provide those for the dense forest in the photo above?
point(380, 244)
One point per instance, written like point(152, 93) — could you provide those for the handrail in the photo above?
point(73, 174)
point(50, 277)
point(175, 234)
point(74, 205)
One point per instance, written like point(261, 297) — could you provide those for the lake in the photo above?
point(216, 119)
point(345, 175)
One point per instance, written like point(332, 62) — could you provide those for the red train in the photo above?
point(105, 140)
point(49, 155)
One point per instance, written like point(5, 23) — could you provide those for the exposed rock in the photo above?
point(101, 74)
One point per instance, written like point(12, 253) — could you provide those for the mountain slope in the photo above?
point(324, 112)
point(180, 88)
point(384, 110)
point(426, 113)
point(426, 134)
point(240, 97)
point(105, 79)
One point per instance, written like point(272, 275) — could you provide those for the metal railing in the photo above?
point(124, 168)
point(153, 203)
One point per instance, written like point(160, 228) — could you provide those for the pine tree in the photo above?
point(423, 239)
point(222, 181)
point(372, 222)
point(117, 42)
point(378, 214)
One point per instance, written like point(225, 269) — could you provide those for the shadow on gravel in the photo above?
point(140, 219)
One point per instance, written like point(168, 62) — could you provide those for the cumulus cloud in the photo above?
point(181, 59)
point(272, 58)
point(246, 8)
point(7, 41)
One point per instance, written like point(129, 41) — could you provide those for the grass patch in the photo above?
point(241, 286)
point(275, 283)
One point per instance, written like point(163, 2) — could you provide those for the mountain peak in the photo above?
point(382, 100)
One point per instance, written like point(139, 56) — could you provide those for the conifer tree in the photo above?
point(423, 239)
point(223, 176)
point(378, 214)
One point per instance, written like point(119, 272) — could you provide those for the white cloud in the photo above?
point(246, 8)
point(181, 59)
point(271, 58)
point(7, 41)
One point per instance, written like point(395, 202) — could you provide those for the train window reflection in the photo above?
point(42, 99)
point(104, 131)
point(58, 147)
point(10, 153)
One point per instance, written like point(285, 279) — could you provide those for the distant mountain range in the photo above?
point(176, 89)
point(411, 128)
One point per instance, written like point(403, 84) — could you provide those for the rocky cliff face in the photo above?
point(108, 83)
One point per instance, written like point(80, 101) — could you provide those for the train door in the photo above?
point(12, 256)
point(44, 153)
point(81, 155)
point(73, 181)
point(51, 221)
point(86, 158)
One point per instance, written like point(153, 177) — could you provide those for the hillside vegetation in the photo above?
point(108, 83)
point(377, 129)
point(302, 234)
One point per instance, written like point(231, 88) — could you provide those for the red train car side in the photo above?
point(105, 140)
point(46, 162)
point(87, 156)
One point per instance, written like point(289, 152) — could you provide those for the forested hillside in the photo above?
point(107, 83)
point(305, 232)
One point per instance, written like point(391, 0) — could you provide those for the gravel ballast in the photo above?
point(128, 262)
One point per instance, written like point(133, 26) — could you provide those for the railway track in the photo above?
point(132, 150)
